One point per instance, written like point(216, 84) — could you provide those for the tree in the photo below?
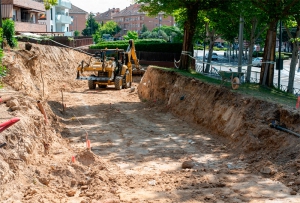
point(91, 26)
point(9, 32)
point(131, 35)
point(275, 10)
point(76, 33)
point(49, 3)
point(227, 23)
point(295, 39)
point(144, 29)
point(188, 9)
point(110, 27)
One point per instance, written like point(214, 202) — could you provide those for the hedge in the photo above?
point(284, 56)
point(153, 45)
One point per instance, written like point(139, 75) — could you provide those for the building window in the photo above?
point(51, 15)
point(51, 27)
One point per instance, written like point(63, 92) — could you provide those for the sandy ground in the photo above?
point(146, 150)
point(142, 150)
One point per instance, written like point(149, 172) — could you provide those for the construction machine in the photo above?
point(110, 67)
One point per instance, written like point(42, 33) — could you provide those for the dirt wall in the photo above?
point(33, 76)
point(43, 70)
point(243, 121)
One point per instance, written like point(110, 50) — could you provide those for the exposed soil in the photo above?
point(172, 139)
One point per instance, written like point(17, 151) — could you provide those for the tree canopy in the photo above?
point(189, 9)
point(91, 26)
point(49, 3)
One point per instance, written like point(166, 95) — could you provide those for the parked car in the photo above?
point(214, 56)
point(257, 61)
point(220, 46)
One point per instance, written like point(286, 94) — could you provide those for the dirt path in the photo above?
point(145, 147)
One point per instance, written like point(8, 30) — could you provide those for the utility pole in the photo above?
point(279, 53)
point(241, 43)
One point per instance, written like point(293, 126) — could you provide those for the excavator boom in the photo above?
point(131, 55)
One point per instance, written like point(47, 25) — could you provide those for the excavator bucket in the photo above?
point(138, 72)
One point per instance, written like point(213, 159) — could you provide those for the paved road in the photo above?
point(223, 63)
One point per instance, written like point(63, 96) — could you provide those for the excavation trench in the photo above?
point(173, 139)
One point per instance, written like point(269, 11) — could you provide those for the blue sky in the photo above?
point(100, 5)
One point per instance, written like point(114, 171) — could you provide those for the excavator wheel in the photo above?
point(118, 82)
point(91, 84)
point(127, 82)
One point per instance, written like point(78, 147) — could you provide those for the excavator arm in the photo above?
point(131, 55)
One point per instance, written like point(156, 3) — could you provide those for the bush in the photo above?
point(9, 32)
point(257, 54)
point(76, 33)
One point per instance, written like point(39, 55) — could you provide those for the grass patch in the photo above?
point(250, 89)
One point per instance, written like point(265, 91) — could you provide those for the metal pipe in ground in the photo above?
point(42, 111)
point(278, 127)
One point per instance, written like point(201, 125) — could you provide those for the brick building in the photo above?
point(106, 16)
point(25, 13)
point(132, 19)
point(79, 17)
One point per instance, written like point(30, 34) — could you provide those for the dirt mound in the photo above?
point(36, 155)
point(43, 70)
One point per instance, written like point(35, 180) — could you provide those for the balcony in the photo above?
point(29, 4)
point(64, 4)
point(63, 19)
point(29, 27)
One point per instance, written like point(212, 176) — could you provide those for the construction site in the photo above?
point(115, 137)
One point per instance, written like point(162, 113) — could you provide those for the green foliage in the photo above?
point(131, 35)
point(97, 38)
point(149, 45)
point(168, 33)
point(49, 3)
point(76, 33)
point(258, 54)
point(110, 27)
point(144, 29)
point(2, 68)
point(91, 26)
point(9, 32)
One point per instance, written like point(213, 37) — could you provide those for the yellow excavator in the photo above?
point(110, 67)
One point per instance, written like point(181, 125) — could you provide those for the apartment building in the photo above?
point(25, 13)
point(57, 19)
point(132, 19)
point(79, 17)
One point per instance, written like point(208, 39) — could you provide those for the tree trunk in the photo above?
point(189, 32)
point(211, 46)
point(251, 44)
point(267, 69)
point(293, 63)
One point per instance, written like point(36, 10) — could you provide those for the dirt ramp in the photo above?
point(242, 120)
